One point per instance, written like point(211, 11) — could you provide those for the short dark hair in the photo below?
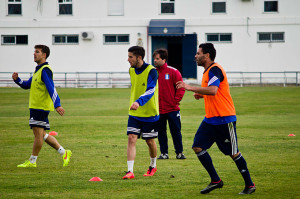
point(137, 51)
point(209, 48)
point(45, 49)
point(163, 53)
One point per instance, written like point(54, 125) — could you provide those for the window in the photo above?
point(270, 37)
point(14, 7)
point(218, 7)
point(271, 6)
point(14, 39)
point(65, 7)
point(167, 7)
point(219, 37)
point(116, 7)
point(116, 39)
point(65, 39)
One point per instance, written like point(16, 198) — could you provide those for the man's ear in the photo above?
point(207, 55)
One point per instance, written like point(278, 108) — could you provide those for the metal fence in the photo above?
point(122, 79)
point(263, 78)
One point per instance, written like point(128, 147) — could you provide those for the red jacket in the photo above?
point(169, 96)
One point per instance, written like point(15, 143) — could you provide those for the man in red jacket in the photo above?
point(169, 98)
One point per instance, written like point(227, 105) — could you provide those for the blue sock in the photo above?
point(206, 161)
point(242, 166)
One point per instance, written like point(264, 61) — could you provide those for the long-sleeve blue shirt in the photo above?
point(47, 79)
point(151, 85)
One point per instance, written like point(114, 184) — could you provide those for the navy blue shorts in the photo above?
point(224, 135)
point(39, 118)
point(146, 130)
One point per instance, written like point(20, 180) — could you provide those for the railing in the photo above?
point(122, 79)
point(264, 78)
point(76, 79)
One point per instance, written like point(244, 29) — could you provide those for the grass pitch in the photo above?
point(94, 128)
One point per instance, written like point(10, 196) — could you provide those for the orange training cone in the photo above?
point(53, 133)
point(291, 135)
point(95, 179)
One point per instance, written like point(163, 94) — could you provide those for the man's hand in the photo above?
point(15, 76)
point(60, 110)
point(181, 84)
point(134, 106)
point(197, 96)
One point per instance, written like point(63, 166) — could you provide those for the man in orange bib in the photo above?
point(219, 124)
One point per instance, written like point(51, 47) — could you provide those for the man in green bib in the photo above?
point(143, 109)
point(43, 98)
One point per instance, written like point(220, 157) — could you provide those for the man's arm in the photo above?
point(210, 90)
point(151, 85)
point(47, 79)
point(215, 78)
point(21, 83)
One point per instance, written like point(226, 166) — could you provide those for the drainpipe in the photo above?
point(248, 18)
point(148, 44)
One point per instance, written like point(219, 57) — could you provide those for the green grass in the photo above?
point(94, 128)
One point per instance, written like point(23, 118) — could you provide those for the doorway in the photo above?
point(181, 52)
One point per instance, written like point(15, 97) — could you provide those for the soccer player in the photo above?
point(169, 98)
point(143, 109)
point(219, 124)
point(43, 98)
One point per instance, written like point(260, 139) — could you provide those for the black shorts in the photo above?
point(146, 130)
point(224, 135)
point(39, 118)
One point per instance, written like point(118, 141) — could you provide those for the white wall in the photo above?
point(243, 54)
point(246, 54)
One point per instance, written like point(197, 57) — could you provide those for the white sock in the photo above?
point(61, 150)
point(130, 165)
point(153, 162)
point(32, 159)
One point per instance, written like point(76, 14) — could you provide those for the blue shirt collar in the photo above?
point(140, 70)
point(39, 66)
point(208, 67)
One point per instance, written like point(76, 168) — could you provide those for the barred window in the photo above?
point(14, 39)
point(270, 6)
point(167, 7)
point(219, 7)
point(267, 37)
point(116, 39)
point(219, 37)
point(65, 39)
point(65, 7)
point(14, 7)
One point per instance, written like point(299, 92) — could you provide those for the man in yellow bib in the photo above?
point(143, 109)
point(43, 98)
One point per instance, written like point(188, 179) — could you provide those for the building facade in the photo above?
point(94, 35)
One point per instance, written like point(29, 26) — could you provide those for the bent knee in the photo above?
point(197, 149)
point(235, 155)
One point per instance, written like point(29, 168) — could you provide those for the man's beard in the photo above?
point(157, 66)
point(199, 61)
point(134, 65)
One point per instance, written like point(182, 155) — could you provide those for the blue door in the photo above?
point(181, 50)
point(189, 50)
point(158, 42)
